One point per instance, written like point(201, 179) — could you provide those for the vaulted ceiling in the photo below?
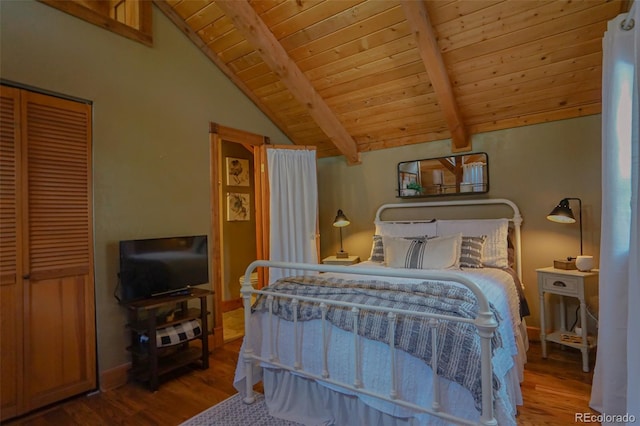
point(357, 75)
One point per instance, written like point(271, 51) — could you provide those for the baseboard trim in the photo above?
point(231, 305)
point(533, 333)
point(114, 377)
point(118, 376)
point(218, 337)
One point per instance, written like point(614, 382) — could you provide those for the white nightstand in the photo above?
point(332, 260)
point(571, 283)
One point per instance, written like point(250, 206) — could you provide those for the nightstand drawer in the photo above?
point(560, 284)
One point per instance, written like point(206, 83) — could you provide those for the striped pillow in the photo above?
point(471, 252)
point(422, 253)
point(494, 251)
point(377, 249)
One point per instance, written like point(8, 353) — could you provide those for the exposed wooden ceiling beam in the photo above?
point(418, 19)
point(273, 54)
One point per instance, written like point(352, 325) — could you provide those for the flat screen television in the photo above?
point(162, 266)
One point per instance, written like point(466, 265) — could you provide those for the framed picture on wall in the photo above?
point(237, 171)
point(238, 206)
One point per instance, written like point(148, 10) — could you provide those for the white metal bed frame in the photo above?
point(484, 322)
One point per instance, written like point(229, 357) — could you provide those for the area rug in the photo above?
point(233, 412)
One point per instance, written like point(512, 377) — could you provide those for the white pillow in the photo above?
point(494, 251)
point(422, 253)
point(412, 229)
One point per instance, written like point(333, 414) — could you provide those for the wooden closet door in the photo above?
point(59, 328)
point(11, 293)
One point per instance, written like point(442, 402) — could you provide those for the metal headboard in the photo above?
point(516, 219)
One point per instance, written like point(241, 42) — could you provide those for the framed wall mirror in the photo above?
point(455, 174)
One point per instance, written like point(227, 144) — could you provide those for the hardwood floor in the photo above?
point(554, 389)
point(233, 324)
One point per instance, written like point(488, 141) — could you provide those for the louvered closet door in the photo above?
point(11, 294)
point(58, 249)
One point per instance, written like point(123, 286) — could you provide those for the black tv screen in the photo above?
point(162, 266)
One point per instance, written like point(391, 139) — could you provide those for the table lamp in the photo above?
point(340, 222)
point(562, 213)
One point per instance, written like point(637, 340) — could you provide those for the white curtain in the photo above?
point(474, 173)
point(293, 202)
point(616, 383)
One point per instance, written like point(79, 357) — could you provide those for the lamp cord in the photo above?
point(593, 317)
point(573, 327)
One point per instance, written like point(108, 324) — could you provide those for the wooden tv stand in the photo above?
point(147, 317)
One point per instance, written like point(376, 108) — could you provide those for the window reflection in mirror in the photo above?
point(455, 174)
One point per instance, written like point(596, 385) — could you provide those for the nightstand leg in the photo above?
point(563, 315)
point(585, 359)
point(543, 335)
point(585, 342)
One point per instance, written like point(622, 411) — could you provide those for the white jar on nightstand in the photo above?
point(584, 263)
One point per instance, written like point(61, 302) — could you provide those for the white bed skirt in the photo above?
point(322, 406)
point(285, 391)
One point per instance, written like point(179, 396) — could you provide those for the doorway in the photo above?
point(235, 197)
point(236, 229)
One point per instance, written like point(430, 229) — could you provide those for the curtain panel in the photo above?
point(293, 204)
point(616, 392)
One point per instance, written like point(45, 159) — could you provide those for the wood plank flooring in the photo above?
point(233, 324)
point(554, 389)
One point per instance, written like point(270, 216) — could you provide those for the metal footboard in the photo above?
point(484, 322)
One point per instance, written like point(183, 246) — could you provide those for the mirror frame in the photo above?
point(447, 182)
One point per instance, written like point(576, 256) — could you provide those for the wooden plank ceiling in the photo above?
point(350, 76)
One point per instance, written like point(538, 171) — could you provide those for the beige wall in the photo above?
point(152, 108)
point(535, 166)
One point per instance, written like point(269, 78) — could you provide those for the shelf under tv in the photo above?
point(150, 361)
